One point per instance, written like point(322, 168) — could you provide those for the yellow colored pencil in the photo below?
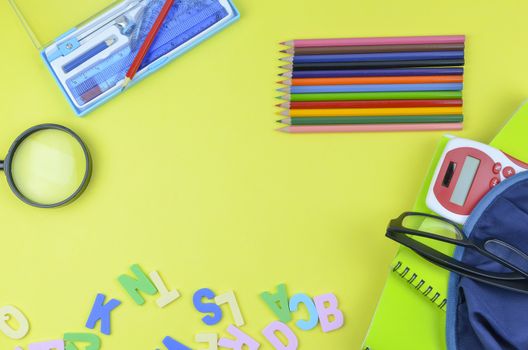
point(366, 112)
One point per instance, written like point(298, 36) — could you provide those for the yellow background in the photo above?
point(191, 179)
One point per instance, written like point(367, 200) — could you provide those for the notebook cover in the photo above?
point(405, 318)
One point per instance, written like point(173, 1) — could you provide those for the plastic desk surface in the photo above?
point(191, 180)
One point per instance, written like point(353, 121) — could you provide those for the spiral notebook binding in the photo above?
point(419, 284)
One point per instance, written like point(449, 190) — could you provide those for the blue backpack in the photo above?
point(482, 316)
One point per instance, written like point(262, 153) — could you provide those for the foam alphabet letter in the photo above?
point(8, 312)
point(276, 326)
point(48, 345)
point(166, 296)
point(331, 310)
point(240, 340)
point(134, 285)
point(101, 311)
point(230, 299)
point(172, 344)
point(94, 343)
point(312, 322)
point(207, 307)
point(278, 303)
point(209, 338)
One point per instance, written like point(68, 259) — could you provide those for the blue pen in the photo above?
point(77, 61)
point(366, 57)
point(372, 88)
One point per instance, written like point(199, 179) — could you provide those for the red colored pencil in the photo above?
point(140, 56)
point(370, 104)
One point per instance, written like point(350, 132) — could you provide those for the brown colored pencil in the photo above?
point(372, 48)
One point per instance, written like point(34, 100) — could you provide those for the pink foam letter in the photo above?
point(277, 326)
point(326, 311)
point(48, 345)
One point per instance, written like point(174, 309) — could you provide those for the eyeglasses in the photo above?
point(419, 231)
point(47, 166)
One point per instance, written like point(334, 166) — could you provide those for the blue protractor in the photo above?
point(186, 19)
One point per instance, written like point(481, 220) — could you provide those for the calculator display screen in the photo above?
point(467, 175)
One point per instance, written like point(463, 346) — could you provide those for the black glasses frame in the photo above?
point(516, 280)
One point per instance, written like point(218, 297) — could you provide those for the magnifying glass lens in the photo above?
point(48, 166)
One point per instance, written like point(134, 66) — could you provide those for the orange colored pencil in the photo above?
point(375, 80)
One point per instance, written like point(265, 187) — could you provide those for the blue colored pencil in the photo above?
point(386, 56)
point(371, 88)
point(388, 72)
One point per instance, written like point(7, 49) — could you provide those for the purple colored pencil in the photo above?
point(377, 56)
point(390, 72)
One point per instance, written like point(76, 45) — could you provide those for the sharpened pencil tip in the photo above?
point(282, 90)
point(126, 82)
point(286, 129)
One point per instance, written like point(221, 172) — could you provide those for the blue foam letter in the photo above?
point(311, 323)
point(172, 344)
point(207, 307)
point(101, 311)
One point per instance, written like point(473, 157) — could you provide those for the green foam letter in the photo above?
point(278, 303)
point(134, 285)
point(94, 343)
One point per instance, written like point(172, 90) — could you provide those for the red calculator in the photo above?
point(466, 172)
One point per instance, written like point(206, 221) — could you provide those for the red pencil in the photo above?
point(148, 42)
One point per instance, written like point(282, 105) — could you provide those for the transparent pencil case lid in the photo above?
point(46, 21)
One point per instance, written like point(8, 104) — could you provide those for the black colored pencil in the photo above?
point(375, 64)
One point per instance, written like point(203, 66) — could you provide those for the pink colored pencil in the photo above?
point(406, 40)
point(305, 129)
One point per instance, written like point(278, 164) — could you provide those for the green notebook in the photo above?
point(414, 298)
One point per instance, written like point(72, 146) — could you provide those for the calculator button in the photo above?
point(494, 182)
point(497, 167)
point(508, 172)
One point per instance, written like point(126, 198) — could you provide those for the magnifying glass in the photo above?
point(48, 166)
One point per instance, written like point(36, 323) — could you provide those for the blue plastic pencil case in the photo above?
point(89, 62)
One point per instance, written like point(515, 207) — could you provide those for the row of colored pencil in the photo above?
point(373, 84)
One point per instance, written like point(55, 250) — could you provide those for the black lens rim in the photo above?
point(9, 158)
point(397, 232)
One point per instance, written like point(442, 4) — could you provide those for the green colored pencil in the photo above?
point(355, 96)
point(374, 120)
